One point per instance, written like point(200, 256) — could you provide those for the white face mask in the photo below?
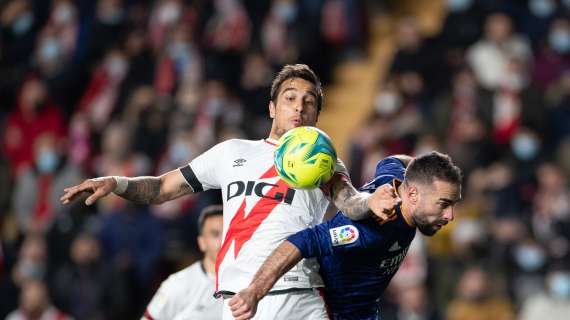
point(387, 103)
point(169, 13)
point(117, 67)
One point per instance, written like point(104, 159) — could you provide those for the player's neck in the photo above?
point(406, 214)
point(209, 266)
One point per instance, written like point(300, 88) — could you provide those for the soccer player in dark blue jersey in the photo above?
point(359, 258)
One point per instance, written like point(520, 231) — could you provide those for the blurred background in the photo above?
point(127, 87)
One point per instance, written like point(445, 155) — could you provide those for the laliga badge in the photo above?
point(343, 235)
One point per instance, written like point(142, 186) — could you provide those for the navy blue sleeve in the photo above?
point(387, 170)
point(333, 236)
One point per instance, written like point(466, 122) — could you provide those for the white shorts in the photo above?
point(296, 305)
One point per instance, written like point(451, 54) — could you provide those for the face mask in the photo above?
point(458, 5)
point(50, 50)
point(31, 270)
point(285, 11)
point(541, 8)
point(63, 14)
point(179, 51)
point(214, 106)
point(525, 147)
point(169, 13)
point(559, 41)
point(559, 284)
point(47, 161)
point(23, 23)
point(529, 258)
point(112, 16)
point(387, 103)
point(179, 153)
point(117, 67)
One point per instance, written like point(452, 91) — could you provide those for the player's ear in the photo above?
point(412, 192)
point(201, 243)
point(271, 110)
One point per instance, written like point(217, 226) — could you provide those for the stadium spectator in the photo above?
point(87, 287)
point(35, 304)
point(476, 299)
point(37, 189)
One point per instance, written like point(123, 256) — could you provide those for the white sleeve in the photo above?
point(166, 303)
point(203, 173)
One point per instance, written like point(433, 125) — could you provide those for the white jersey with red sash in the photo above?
point(260, 211)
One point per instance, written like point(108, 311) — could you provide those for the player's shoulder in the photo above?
point(185, 275)
point(243, 144)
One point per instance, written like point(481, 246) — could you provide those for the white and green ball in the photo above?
point(305, 157)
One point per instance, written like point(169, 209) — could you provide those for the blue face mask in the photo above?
point(559, 41)
point(559, 284)
point(524, 147)
point(542, 8)
point(47, 161)
point(23, 23)
point(458, 5)
point(529, 258)
point(50, 49)
point(286, 11)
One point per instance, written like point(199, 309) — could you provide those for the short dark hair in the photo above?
point(208, 212)
point(297, 71)
point(433, 166)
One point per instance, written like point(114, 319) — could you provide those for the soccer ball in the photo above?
point(305, 158)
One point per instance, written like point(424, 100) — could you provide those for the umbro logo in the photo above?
point(239, 162)
point(395, 246)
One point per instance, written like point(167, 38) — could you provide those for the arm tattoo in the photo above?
point(145, 190)
point(351, 202)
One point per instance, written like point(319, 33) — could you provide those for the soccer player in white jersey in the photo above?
point(260, 210)
point(189, 293)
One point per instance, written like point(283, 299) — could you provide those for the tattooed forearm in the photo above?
point(350, 202)
point(145, 190)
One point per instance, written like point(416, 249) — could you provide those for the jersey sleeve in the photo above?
point(387, 170)
point(390, 166)
point(203, 173)
point(331, 237)
point(165, 303)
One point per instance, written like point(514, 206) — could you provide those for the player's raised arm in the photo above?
point(244, 303)
point(146, 189)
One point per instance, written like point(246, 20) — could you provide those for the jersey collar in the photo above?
point(270, 141)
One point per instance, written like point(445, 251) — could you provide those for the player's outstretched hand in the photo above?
point(244, 304)
point(98, 188)
point(383, 201)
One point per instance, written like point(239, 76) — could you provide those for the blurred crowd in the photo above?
point(131, 87)
point(492, 89)
point(127, 87)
